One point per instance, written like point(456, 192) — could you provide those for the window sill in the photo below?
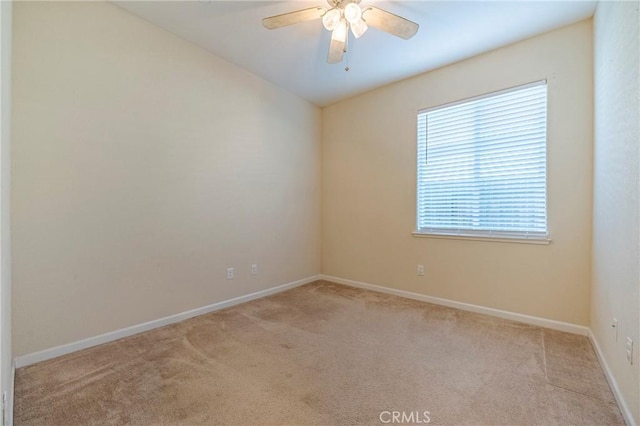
point(500, 239)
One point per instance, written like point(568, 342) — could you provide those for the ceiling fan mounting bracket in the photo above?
point(339, 3)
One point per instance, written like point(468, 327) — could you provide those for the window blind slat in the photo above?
point(483, 145)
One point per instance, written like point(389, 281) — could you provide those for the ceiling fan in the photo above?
point(342, 16)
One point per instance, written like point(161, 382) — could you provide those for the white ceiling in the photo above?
point(295, 57)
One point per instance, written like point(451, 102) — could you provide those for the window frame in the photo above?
point(487, 234)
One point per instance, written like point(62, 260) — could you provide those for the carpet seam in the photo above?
point(546, 376)
point(580, 393)
point(544, 356)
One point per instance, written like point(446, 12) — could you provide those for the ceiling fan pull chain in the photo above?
point(346, 47)
point(347, 67)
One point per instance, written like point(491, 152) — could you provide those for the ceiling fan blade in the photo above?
point(336, 51)
point(290, 18)
point(338, 44)
point(390, 23)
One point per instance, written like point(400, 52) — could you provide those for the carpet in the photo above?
point(325, 354)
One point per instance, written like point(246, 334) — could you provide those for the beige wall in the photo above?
point(143, 167)
point(616, 217)
point(369, 184)
point(6, 356)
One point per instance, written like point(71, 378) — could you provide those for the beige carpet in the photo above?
point(325, 354)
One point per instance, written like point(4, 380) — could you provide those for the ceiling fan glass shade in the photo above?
point(331, 19)
point(358, 28)
point(340, 32)
point(352, 13)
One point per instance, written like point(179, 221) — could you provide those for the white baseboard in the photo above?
point(527, 319)
point(624, 408)
point(32, 358)
point(9, 406)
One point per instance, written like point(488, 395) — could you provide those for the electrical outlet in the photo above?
point(614, 326)
point(254, 269)
point(230, 272)
point(629, 348)
point(420, 270)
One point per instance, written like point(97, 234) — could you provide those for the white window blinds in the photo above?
point(482, 165)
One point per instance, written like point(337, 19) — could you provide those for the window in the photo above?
point(482, 166)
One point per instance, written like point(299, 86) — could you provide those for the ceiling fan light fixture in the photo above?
point(358, 28)
point(340, 32)
point(331, 19)
point(352, 13)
